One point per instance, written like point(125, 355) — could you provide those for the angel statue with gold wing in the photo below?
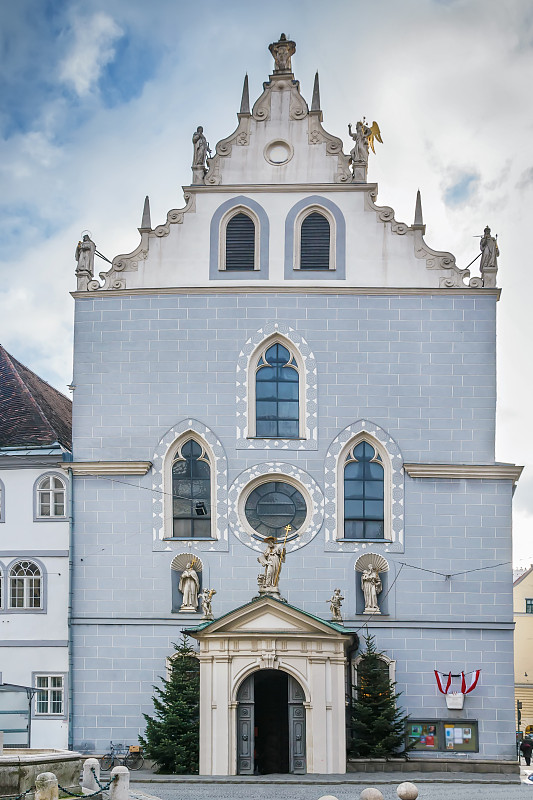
point(364, 140)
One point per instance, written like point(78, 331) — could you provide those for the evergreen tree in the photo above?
point(172, 736)
point(378, 725)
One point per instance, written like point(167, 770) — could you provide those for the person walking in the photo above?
point(526, 746)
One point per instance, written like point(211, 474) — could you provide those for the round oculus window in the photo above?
point(278, 152)
point(274, 505)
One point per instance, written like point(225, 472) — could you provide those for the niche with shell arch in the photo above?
point(177, 565)
point(380, 564)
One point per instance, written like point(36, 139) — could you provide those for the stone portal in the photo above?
point(272, 691)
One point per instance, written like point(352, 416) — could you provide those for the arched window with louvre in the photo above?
point(315, 235)
point(240, 243)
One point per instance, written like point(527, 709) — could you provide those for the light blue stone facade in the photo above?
point(420, 368)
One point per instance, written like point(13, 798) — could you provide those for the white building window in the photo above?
point(50, 698)
point(25, 585)
point(51, 494)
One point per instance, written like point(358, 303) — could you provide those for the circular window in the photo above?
point(278, 152)
point(273, 506)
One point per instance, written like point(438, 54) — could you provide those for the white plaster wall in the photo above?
point(19, 531)
point(375, 255)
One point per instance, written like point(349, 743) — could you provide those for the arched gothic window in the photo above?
point(363, 493)
point(277, 394)
point(51, 497)
point(191, 492)
point(240, 243)
point(25, 585)
point(315, 242)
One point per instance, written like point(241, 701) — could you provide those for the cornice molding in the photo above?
point(269, 288)
point(248, 188)
point(107, 467)
point(494, 472)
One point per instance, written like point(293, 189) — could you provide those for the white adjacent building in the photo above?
point(35, 438)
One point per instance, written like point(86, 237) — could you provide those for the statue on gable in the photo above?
point(85, 257)
point(282, 51)
point(206, 597)
point(271, 560)
point(489, 250)
point(335, 604)
point(201, 147)
point(364, 141)
point(371, 586)
point(489, 258)
point(189, 586)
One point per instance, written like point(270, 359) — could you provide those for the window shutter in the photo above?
point(240, 243)
point(314, 242)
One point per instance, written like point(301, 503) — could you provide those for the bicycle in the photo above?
point(130, 757)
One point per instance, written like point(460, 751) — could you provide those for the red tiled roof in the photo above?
point(31, 411)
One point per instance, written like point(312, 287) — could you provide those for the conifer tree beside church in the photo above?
point(378, 725)
point(172, 735)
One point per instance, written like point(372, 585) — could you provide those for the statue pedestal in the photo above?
point(489, 277)
point(371, 611)
point(198, 174)
point(188, 609)
point(360, 170)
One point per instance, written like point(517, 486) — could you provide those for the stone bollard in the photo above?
point(407, 791)
point(88, 780)
point(46, 786)
point(328, 797)
point(120, 788)
point(371, 794)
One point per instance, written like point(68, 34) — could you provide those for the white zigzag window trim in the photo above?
point(395, 544)
point(277, 470)
point(311, 392)
point(220, 468)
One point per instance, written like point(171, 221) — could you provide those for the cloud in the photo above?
point(92, 49)
point(526, 179)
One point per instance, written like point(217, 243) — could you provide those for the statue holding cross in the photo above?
point(271, 560)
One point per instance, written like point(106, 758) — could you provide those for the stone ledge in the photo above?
point(107, 467)
point(494, 472)
point(433, 765)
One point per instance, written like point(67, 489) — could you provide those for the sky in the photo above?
point(99, 101)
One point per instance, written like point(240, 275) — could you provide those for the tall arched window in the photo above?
point(315, 242)
point(363, 493)
point(25, 585)
point(240, 243)
point(277, 394)
point(191, 492)
point(51, 497)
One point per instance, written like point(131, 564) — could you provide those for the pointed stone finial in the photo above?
point(282, 51)
point(245, 100)
point(418, 224)
point(146, 222)
point(315, 103)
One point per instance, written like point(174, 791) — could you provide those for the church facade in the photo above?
point(280, 393)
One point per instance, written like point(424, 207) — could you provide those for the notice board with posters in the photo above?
point(443, 735)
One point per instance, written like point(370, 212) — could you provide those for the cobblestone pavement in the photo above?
point(427, 791)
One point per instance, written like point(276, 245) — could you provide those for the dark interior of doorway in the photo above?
point(271, 722)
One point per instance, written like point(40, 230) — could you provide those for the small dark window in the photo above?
point(314, 242)
point(191, 492)
point(363, 493)
point(529, 605)
point(277, 395)
point(240, 243)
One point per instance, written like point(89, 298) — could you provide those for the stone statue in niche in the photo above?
point(85, 257)
point(271, 560)
point(371, 586)
point(206, 597)
point(189, 586)
point(201, 147)
point(489, 251)
point(335, 604)
point(282, 51)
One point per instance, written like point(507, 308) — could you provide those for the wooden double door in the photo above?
point(270, 725)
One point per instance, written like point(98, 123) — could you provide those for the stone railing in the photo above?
point(47, 786)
